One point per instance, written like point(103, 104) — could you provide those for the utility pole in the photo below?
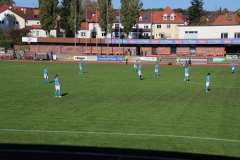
point(107, 28)
point(96, 31)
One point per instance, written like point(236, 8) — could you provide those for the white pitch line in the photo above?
point(215, 85)
point(122, 134)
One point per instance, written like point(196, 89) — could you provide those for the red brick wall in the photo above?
point(210, 50)
point(183, 50)
point(146, 49)
point(163, 50)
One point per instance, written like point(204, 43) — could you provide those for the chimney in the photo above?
point(24, 10)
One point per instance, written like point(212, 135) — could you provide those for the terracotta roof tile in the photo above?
point(84, 26)
point(158, 17)
point(227, 19)
point(94, 18)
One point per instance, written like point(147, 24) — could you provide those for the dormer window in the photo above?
point(140, 18)
point(35, 16)
point(117, 18)
point(146, 18)
point(165, 16)
point(172, 16)
point(229, 18)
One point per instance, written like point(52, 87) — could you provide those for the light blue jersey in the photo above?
point(56, 81)
point(45, 71)
point(140, 68)
point(186, 70)
point(80, 63)
point(208, 78)
point(156, 66)
point(136, 63)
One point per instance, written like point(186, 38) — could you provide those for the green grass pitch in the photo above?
point(108, 107)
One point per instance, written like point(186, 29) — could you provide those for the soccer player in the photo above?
point(57, 87)
point(207, 82)
point(135, 66)
point(156, 69)
point(186, 74)
point(140, 72)
point(126, 59)
point(80, 67)
point(45, 75)
point(233, 68)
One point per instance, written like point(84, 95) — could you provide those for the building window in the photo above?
point(38, 23)
point(1, 22)
point(172, 17)
point(117, 18)
point(83, 34)
point(140, 18)
point(229, 18)
point(186, 32)
point(237, 35)
point(159, 26)
point(117, 26)
point(35, 16)
point(165, 16)
point(145, 26)
point(103, 34)
point(146, 18)
point(224, 35)
point(26, 22)
point(37, 33)
point(168, 26)
point(192, 49)
point(15, 23)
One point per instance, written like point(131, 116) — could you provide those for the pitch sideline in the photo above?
point(121, 134)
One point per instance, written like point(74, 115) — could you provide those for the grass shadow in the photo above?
point(51, 81)
point(64, 94)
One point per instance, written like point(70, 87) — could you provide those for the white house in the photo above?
point(209, 32)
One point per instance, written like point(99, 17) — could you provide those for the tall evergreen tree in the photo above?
point(195, 11)
point(64, 13)
point(76, 15)
point(106, 15)
point(129, 13)
point(7, 2)
point(67, 16)
point(238, 12)
point(48, 14)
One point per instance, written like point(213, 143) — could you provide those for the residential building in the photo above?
point(166, 23)
point(142, 28)
point(227, 19)
point(209, 32)
point(15, 17)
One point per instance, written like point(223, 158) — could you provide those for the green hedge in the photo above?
point(6, 44)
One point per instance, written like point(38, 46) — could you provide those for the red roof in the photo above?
point(84, 26)
point(95, 17)
point(227, 19)
point(158, 17)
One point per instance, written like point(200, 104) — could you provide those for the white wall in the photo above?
point(42, 33)
point(207, 32)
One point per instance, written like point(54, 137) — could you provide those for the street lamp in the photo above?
point(119, 31)
point(96, 31)
point(151, 24)
point(107, 28)
point(75, 32)
point(86, 29)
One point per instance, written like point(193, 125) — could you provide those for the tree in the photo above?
point(76, 15)
point(48, 14)
point(7, 2)
point(203, 21)
point(64, 13)
point(238, 12)
point(106, 15)
point(90, 5)
point(219, 11)
point(129, 13)
point(195, 11)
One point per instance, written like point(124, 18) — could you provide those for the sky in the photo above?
point(211, 5)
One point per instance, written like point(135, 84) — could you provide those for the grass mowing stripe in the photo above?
point(215, 85)
point(122, 134)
